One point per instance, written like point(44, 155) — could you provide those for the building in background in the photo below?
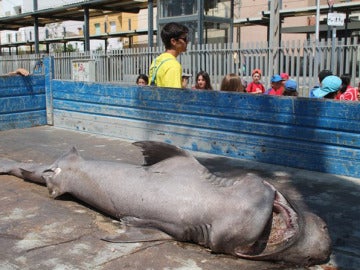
point(217, 21)
point(208, 21)
point(251, 23)
point(121, 30)
point(51, 31)
point(110, 31)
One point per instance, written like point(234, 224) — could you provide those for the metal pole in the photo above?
point(232, 22)
point(150, 23)
point(274, 37)
point(347, 19)
point(200, 25)
point(317, 21)
point(333, 36)
point(317, 31)
point(332, 61)
point(36, 27)
point(86, 29)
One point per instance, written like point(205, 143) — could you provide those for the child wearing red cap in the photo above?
point(255, 87)
point(284, 76)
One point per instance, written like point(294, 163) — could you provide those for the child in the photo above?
point(232, 82)
point(255, 87)
point(330, 86)
point(290, 88)
point(347, 92)
point(321, 76)
point(142, 80)
point(165, 70)
point(203, 81)
point(277, 88)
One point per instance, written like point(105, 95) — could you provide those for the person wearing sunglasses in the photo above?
point(165, 70)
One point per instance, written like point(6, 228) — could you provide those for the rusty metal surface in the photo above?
point(37, 232)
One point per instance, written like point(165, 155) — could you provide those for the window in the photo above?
point(112, 27)
point(97, 29)
point(171, 8)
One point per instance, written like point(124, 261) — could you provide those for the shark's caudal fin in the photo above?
point(7, 166)
point(155, 152)
point(27, 171)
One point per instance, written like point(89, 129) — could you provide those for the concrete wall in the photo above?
point(22, 102)
point(319, 135)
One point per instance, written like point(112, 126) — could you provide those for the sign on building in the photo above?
point(336, 19)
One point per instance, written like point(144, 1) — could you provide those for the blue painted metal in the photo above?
point(22, 102)
point(320, 135)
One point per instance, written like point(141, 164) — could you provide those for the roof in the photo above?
point(71, 12)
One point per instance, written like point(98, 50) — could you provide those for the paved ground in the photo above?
point(37, 232)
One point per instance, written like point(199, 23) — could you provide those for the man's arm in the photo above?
point(19, 71)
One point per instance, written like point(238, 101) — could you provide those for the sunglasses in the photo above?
point(185, 39)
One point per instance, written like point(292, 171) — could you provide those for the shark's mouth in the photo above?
point(280, 232)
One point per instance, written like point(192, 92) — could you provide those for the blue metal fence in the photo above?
point(22, 102)
point(313, 134)
point(319, 135)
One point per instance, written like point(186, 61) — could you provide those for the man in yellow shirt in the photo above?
point(165, 70)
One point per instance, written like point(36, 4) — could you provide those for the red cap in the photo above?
point(284, 76)
point(256, 70)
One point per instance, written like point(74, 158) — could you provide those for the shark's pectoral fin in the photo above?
point(136, 235)
point(176, 231)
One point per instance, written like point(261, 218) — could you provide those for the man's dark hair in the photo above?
point(345, 78)
point(323, 74)
point(172, 30)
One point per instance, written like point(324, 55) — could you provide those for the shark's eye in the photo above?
point(57, 171)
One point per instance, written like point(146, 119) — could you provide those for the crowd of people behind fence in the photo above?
point(166, 71)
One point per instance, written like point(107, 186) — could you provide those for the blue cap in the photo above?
point(276, 78)
point(328, 85)
point(290, 85)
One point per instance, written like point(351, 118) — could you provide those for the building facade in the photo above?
point(213, 21)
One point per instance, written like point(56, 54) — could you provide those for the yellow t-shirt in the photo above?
point(169, 71)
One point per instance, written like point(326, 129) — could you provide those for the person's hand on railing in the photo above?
point(19, 71)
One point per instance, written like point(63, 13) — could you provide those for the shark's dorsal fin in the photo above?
point(72, 155)
point(155, 152)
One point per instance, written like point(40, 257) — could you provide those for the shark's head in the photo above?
point(293, 236)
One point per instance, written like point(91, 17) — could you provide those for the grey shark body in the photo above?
point(172, 192)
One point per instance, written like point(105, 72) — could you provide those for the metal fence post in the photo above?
point(49, 76)
point(274, 37)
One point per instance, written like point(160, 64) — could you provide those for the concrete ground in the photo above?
point(37, 232)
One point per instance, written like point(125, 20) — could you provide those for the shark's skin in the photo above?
point(172, 192)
